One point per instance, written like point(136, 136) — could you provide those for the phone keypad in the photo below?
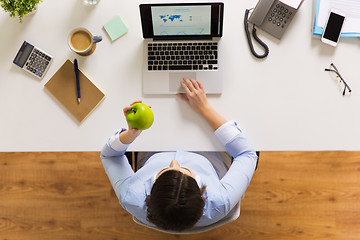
point(280, 15)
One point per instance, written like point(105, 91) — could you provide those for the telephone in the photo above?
point(271, 16)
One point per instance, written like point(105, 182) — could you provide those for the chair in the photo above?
point(230, 217)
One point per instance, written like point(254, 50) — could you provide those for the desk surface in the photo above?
point(285, 102)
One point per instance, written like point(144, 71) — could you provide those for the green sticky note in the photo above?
point(115, 28)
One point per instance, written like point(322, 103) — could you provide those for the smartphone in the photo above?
point(333, 27)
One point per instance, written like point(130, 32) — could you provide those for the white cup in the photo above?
point(81, 40)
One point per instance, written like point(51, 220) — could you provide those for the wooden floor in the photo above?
point(293, 195)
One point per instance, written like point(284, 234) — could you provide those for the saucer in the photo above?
point(91, 51)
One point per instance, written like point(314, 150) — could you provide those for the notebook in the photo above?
point(63, 87)
point(321, 10)
point(181, 40)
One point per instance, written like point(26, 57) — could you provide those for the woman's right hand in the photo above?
point(131, 134)
point(197, 100)
point(195, 95)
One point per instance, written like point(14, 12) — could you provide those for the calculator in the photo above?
point(33, 60)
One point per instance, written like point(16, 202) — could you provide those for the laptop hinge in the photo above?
point(167, 38)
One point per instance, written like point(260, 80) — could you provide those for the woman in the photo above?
point(179, 190)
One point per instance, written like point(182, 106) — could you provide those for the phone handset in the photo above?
point(246, 26)
point(260, 12)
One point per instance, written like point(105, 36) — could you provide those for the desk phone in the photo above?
point(272, 16)
point(33, 60)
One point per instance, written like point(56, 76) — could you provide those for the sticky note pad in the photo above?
point(115, 28)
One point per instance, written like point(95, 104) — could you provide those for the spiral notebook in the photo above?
point(63, 87)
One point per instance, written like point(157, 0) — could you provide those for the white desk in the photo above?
point(285, 102)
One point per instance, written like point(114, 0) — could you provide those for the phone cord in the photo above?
point(246, 25)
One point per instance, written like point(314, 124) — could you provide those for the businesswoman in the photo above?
point(180, 190)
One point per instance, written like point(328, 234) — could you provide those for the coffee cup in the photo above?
point(82, 41)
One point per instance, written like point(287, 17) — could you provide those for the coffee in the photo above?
point(81, 40)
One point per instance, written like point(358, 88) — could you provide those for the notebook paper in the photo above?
point(350, 7)
point(322, 8)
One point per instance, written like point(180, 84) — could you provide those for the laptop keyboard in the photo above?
point(183, 56)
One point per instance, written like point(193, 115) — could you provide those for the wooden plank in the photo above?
point(293, 195)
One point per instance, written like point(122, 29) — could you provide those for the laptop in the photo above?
point(181, 40)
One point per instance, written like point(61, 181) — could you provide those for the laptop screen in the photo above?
point(182, 21)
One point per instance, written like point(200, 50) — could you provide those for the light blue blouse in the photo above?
point(222, 193)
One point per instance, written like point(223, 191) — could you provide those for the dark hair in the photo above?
point(175, 202)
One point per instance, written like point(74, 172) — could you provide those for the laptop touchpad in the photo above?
point(176, 78)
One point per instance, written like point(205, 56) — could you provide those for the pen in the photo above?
point(76, 69)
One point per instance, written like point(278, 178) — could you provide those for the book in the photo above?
point(62, 86)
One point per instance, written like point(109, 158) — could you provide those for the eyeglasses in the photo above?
point(335, 70)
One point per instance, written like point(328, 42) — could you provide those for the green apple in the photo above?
point(140, 116)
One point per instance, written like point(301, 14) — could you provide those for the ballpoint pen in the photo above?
point(76, 69)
